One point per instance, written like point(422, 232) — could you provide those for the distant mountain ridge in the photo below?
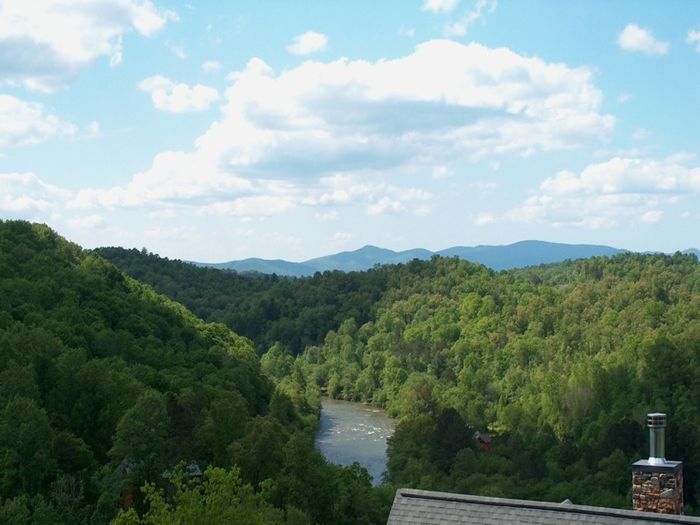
point(499, 257)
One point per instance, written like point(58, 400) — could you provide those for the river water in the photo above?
point(351, 432)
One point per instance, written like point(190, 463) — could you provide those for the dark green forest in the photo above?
point(113, 398)
point(559, 363)
point(267, 309)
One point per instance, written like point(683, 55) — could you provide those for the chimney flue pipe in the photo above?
point(657, 438)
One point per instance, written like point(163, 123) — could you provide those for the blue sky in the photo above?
point(215, 131)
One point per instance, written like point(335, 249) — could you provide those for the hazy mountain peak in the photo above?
point(500, 257)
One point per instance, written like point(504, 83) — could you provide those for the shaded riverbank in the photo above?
point(351, 432)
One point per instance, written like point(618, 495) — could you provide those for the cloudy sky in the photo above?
point(221, 130)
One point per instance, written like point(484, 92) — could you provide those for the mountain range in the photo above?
point(498, 257)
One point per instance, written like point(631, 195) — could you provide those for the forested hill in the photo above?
point(265, 308)
point(106, 387)
point(559, 363)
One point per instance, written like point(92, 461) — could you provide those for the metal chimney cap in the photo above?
point(656, 420)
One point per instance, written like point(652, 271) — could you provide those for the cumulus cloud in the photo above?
point(410, 32)
point(86, 222)
point(343, 132)
point(693, 39)
point(635, 38)
point(641, 134)
point(484, 219)
point(461, 26)
point(178, 50)
point(178, 98)
point(44, 43)
point(25, 193)
point(253, 206)
point(440, 6)
point(174, 177)
point(603, 193)
point(652, 216)
point(343, 237)
point(442, 172)
point(326, 216)
point(26, 122)
point(444, 100)
point(307, 43)
point(378, 196)
point(209, 66)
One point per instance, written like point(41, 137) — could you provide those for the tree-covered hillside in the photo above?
point(265, 308)
point(559, 364)
point(113, 397)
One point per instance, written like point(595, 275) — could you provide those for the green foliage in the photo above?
point(268, 309)
point(221, 497)
point(559, 363)
point(104, 385)
point(27, 462)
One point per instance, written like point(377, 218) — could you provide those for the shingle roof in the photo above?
point(422, 507)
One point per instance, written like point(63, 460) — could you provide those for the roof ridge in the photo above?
point(548, 505)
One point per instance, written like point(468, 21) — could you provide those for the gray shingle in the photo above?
point(421, 507)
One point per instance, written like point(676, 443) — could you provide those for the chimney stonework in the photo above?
point(657, 488)
point(657, 484)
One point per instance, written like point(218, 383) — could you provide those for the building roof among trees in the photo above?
point(422, 507)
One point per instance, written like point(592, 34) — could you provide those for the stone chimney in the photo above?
point(657, 484)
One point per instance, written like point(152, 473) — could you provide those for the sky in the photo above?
point(215, 131)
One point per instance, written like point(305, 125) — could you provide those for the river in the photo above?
point(351, 432)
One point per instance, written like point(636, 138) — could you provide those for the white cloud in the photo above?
point(385, 205)
point(86, 222)
point(209, 66)
point(444, 100)
point(307, 43)
point(25, 193)
point(343, 237)
point(652, 216)
point(178, 98)
point(174, 177)
point(640, 134)
point(44, 43)
point(440, 6)
point(606, 192)
point(694, 39)
point(635, 38)
point(623, 98)
point(178, 50)
point(251, 206)
point(442, 172)
point(342, 132)
point(410, 32)
point(461, 26)
point(93, 129)
point(26, 122)
point(326, 216)
point(484, 219)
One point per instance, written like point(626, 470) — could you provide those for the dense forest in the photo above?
point(117, 403)
point(267, 309)
point(558, 364)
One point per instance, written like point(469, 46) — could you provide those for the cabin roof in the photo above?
point(422, 507)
